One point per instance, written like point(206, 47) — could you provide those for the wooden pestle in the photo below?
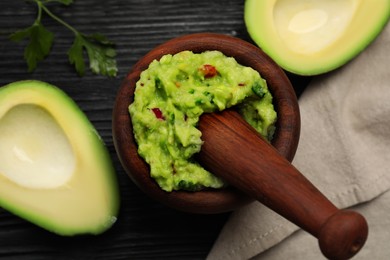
point(233, 150)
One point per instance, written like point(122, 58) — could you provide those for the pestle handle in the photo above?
point(233, 150)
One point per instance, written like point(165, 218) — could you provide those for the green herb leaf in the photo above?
point(101, 54)
point(258, 89)
point(100, 51)
point(75, 55)
point(40, 42)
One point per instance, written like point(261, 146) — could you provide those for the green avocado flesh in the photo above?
point(308, 37)
point(169, 98)
point(55, 170)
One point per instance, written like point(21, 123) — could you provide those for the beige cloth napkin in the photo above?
point(344, 150)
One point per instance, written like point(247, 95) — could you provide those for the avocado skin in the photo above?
point(89, 203)
point(369, 19)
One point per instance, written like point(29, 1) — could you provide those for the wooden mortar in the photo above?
point(234, 151)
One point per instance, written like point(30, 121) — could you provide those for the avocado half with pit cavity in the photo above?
point(55, 170)
point(309, 37)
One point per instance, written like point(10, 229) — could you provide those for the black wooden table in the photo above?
point(145, 228)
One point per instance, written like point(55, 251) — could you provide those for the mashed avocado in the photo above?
point(169, 99)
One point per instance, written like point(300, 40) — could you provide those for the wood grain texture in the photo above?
point(254, 166)
point(207, 201)
point(146, 229)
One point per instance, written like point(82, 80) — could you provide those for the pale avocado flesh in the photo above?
point(313, 37)
point(55, 170)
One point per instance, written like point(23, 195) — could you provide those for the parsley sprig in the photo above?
point(99, 50)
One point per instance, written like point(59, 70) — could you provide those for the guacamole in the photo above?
point(172, 94)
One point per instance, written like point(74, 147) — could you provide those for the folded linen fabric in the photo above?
point(344, 151)
point(301, 245)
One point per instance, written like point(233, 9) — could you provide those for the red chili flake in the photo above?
point(241, 84)
point(157, 112)
point(208, 71)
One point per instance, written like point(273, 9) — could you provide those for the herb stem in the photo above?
point(55, 17)
point(39, 15)
point(100, 51)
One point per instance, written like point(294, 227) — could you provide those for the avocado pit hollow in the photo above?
point(36, 153)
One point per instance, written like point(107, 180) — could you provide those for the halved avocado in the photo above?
point(55, 170)
point(308, 37)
